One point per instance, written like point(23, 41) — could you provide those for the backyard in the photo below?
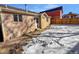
point(58, 39)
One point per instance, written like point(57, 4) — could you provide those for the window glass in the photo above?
point(15, 17)
point(20, 17)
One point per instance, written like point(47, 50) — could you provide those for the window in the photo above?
point(17, 17)
point(20, 17)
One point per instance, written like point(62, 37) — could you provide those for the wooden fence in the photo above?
point(65, 21)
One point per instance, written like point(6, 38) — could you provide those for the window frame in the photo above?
point(17, 19)
point(20, 18)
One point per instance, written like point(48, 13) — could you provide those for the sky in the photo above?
point(42, 7)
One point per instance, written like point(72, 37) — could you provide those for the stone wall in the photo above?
point(13, 29)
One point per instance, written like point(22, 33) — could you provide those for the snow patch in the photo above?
point(58, 39)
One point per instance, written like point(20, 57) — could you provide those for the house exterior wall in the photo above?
point(55, 15)
point(69, 16)
point(13, 29)
point(45, 21)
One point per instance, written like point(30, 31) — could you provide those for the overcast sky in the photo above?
point(41, 7)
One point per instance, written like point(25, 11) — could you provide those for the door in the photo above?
point(37, 22)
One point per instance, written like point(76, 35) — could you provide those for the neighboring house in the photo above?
point(42, 20)
point(14, 22)
point(71, 15)
point(55, 13)
point(77, 16)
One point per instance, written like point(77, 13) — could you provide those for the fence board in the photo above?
point(65, 21)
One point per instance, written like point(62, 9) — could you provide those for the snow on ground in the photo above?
point(58, 39)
